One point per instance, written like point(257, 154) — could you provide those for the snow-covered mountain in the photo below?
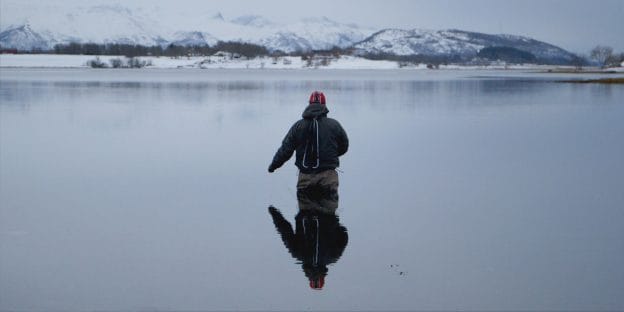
point(454, 42)
point(23, 38)
point(193, 38)
point(38, 27)
point(119, 24)
point(98, 24)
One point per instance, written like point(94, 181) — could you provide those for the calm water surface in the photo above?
point(148, 190)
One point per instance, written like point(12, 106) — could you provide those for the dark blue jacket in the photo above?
point(317, 139)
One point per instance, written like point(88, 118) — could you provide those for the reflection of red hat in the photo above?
point(317, 283)
point(317, 97)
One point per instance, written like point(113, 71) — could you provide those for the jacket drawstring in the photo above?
point(316, 253)
point(316, 245)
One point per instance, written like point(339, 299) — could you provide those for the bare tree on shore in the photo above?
point(602, 54)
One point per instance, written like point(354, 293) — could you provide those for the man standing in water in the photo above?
point(318, 141)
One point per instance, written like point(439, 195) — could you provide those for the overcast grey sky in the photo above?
point(576, 25)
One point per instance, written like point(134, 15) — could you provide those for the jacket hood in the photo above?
point(314, 111)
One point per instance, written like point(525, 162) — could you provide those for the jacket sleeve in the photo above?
point(342, 140)
point(283, 227)
point(289, 144)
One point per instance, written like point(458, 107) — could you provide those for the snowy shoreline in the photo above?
point(229, 62)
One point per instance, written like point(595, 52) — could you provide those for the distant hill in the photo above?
point(462, 44)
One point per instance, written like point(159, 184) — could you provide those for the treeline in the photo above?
point(507, 54)
point(434, 60)
point(601, 55)
point(132, 62)
point(243, 49)
point(516, 56)
point(483, 57)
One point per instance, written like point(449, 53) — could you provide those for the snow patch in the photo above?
point(219, 60)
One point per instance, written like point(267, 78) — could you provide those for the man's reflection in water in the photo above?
point(319, 239)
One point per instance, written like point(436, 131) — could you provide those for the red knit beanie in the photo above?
point(317, 97)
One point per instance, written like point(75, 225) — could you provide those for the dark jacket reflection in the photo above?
point(318, 238)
